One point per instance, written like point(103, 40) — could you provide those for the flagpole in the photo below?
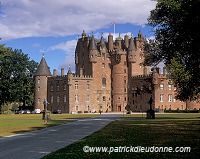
point(114, 30)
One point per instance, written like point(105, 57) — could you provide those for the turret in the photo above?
point(41, 77)
point(131, 51)
point(69, 76)
point(138, 40)
point(126, 41)
point(119, 42)
point(102, 43)
point(155, 76)
point(110, 43)
point(93, 52)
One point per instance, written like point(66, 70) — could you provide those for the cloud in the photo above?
point(42, 18)
point(69, 49)
point(69, 61)
point(68, 46)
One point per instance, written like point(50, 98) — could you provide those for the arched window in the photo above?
point(104, 82)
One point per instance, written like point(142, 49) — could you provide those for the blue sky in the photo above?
point(52, 27)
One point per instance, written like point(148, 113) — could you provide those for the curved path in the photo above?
point(36, 144)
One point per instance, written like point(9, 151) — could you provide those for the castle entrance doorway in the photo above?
point(119, 108)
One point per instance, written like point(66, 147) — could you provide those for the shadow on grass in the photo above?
point(146, 133)
point(51, 123)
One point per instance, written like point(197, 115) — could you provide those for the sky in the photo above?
point(52, 27)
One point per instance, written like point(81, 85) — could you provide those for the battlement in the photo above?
point(76, 76)
point(82, 76)
point(141, 76)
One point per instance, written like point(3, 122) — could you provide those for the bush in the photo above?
point(182, 111)
point(5, 107)
point(7, 112)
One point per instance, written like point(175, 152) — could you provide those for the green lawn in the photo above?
point(140, 132)
point(20, 123)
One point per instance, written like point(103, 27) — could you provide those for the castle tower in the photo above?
point(93, 50)
point(40, 91)
point(119, 76)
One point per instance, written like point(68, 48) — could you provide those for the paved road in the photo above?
point(36, 144)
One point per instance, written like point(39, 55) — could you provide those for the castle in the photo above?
point(109, 76)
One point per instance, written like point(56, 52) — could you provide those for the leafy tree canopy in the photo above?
point(177, 24)
point(16, 76)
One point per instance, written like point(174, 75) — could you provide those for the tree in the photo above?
point(16, 73)
point(177, 24)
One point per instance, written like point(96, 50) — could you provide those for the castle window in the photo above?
point(140, 57)
point(104, 82)
point(65, 98)
point(125, 63)
point(174, 88)
point(38, 101)
point(174, 99)
point(51, 99)
point(103, 56)
point(124, 89)
point(169, 97)
point(124, 70)
point(109, 65)
point(76, 98)
point(150, 87)
point(161, 86)
point(130, 56)
point(124, 81)
point(103, 65)
point(51, 87)
point(170, 87)
point(38, 88)
point(58, 99)
point(76, 86)
point(57, 87)
point(38, 81)
point(161, 97)
point(76, 108)
point(65, 87)
point(88, 98)
point(104, 98)
point(125, 99)
point(88, 86)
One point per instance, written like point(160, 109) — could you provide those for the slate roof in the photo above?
point(92, 45)
point(131, 45)
point(43, 69)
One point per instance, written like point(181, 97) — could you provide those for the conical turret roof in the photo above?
point(92, 45)
point(102, 42)
point(131, 45)
point(43, 69)
point(69, 70)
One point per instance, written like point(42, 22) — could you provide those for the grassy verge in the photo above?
point(20, 123)
point(142, 132)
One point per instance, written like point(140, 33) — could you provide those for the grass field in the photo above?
point(140, 132)
point(20, 123)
